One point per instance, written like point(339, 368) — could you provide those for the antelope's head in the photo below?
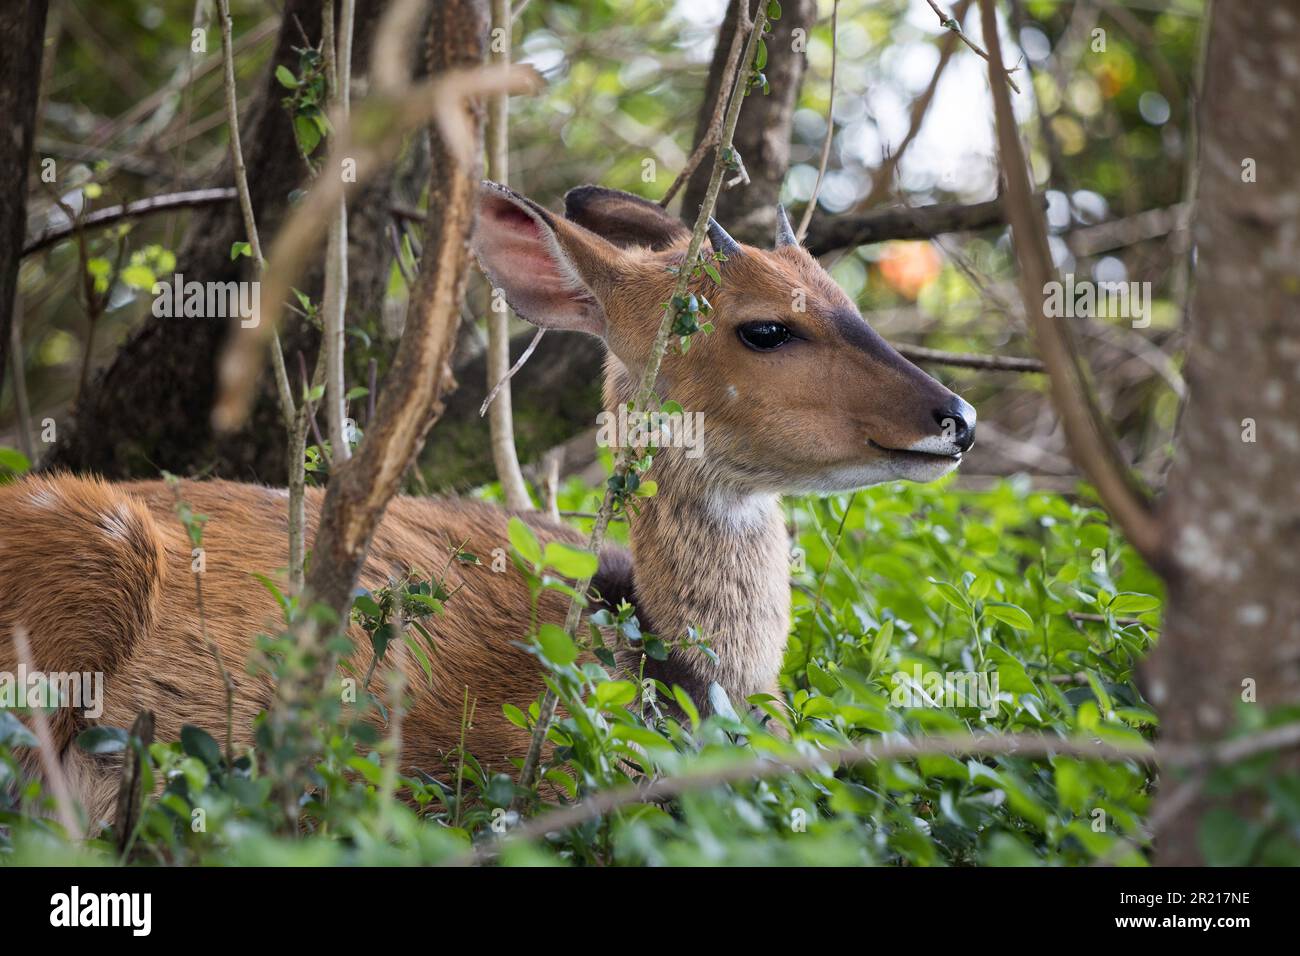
point(798, 393)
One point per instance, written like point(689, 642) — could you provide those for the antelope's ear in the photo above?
point(622, 218)
point(553, 273)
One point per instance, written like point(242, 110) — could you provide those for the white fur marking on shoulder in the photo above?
point(44, 498)
point(117, 524)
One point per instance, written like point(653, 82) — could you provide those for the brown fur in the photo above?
point(100, 574)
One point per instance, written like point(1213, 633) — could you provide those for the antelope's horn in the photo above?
point(784, 234)
point(722, 242)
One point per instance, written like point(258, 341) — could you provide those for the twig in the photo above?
point(63, 803)
point(1092, 443)
point(601, 803)
point(711, 136)
point(338, 69)
point(519, 363)
point(952, 24)
point(646, 394)
point(501, 427)
point(882, 177)
point(921, 222)
point(140, 207)
point(994, 363)
point(830, 127)
point(245, 196)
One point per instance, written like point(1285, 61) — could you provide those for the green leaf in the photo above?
point(615, 693)
point(687, 705)
point(13, 460)
point(524, 542)
point(880, 646)
point(515, 716)
point(308, 134)
point(138, 277)
point(238, 249)
point(1131, 602)
point(13, 732)
point(103, 740)
point(570, 561)
point(773, 10)
point(1017, 617)
point(286, 77)
point(1225, 839)
point(199, 744)
point(557, 645)
point(953, 596)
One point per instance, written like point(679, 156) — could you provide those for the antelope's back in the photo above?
point(103, 578)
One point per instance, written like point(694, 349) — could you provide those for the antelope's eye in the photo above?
point(764, 336)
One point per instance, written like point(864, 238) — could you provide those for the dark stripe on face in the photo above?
point(855, 331)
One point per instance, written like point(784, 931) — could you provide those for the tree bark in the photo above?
point(360, 489)
point(763, 136)
point(1232, 512)
point(22, 35)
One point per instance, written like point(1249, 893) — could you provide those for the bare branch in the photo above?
point(64, 805)
point(501, 428)
point(1091, 442)
point(338, 60)
point(949, 22)
point(714, 132)
point(921, 222)
point(604, 802)
point(830, 127)
point(992, 363)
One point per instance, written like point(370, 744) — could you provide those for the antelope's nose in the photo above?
point(957, 423)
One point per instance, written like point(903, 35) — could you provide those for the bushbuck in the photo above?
point(797, 394)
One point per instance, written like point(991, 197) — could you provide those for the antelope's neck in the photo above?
point(718, 561)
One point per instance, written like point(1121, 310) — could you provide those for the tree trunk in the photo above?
point(1232, 511)
point(763, 134)
point(22, 35)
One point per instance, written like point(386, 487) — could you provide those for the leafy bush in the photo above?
point(892, 586)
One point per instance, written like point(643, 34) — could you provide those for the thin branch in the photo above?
point(921, 222)
point(64, 805)
point(646, 394)
point(386, 118)
point(711, 136)
point(501, 426)
point(519, 363)
point(950, 22)
point(338, 68)
point(245, 197)
point(1093, 445)
point(109, 215)
point(992, 363)
point(830, 127)
point(1039, 746)
point(882, 178)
